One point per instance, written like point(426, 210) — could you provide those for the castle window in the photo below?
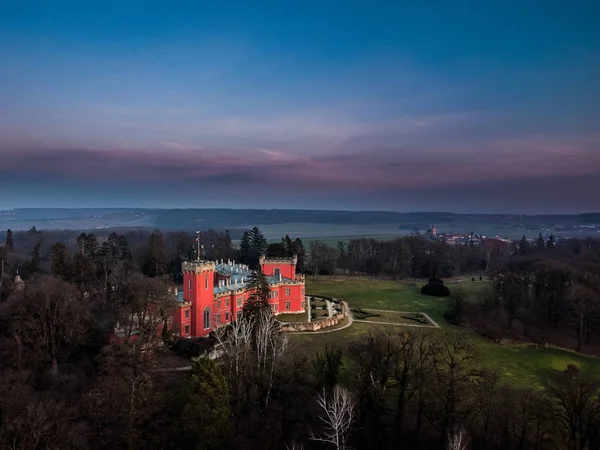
point(287, 292)
point(227, 302)
point(302, 291)
point(226, 317)
point(187, 313)
point(277, 272)
point(190, 284)
point(239, 301)
point(187, 330)
point(206, 283)
point(274, 308)
point(287, 306)
point(217, 318)
point(219, 304)
point(206, 319)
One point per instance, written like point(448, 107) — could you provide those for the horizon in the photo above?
point(129, 208)
point(478, 109)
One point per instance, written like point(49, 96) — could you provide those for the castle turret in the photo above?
point(198, 285)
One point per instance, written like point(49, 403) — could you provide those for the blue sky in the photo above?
point(461, 106)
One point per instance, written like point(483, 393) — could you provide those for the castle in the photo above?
point(214, 293)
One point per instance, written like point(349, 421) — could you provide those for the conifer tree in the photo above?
point(60, 261)
point(523, 246)
point(245, 246)
point(258, 243)
point(540, 242)
point(154, 265)
point(36, 257)
point(8, 243)
point(258, 285)
point(207, 412)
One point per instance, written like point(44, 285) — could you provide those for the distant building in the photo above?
point(432, 232)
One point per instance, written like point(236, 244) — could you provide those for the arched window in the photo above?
point(206, 318)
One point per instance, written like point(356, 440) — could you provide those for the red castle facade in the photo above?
point(214, 293)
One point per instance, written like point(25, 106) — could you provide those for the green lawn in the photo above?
point(369, 293)
point(520, 364)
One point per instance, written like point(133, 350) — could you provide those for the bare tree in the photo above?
point(583, 305)
point(337, 417)
point(457, 440)
point(50, 319)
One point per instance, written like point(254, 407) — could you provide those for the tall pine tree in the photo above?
point(155, 262)
point(8, 243)
point(207, 412)
point(60, 261)
point(258, 285)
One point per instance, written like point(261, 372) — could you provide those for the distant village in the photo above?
point(472, 238)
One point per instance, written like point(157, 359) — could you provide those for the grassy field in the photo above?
point(520, 364)
point(367, 293)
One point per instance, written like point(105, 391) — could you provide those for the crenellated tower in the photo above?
point(198, 285)
point(279, 266)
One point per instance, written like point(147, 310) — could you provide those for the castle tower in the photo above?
point(198, 289)
point(279, 266)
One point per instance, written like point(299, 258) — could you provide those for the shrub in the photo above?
point(435, 289)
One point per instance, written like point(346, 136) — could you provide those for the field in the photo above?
point(524, 365)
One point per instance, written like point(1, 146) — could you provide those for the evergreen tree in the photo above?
point(288, 245)
point(3, 255)
point(36, 257)
point(551, 242)
point(87, 243)
point(258, 285)
point(154, 265)
point(245, 246)
point(258, 243)
point(207, 412)
point(523, 246)
point(60, 261)
point(540, 242)
point(300, 253)
point(8, 243)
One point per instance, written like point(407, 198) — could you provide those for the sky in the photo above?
point(489, 107)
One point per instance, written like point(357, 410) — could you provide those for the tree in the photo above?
point(8, 243)
point(50, 319)
point(3, 255)
point(127, 394)
point(449, 402)
point(458, 440)
point(60, 261)
point(144, 309)
point(583, 304)
point(523, 246)
point(155, 262)
point(540, 244)
point(327, 365)
point(575, 406)
point(259, 289)
point(207, 410)
point(36, 258)
point(337, 415)
point(258, 243)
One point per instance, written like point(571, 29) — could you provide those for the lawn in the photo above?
point(520, 364)
point(299, 317)
point(370, 293)
point(396, 317)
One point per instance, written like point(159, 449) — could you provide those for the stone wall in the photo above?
point(313, 326)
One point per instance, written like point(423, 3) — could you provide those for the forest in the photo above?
point(65, 386)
